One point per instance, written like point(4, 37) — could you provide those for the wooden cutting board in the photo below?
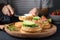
point(45, 33)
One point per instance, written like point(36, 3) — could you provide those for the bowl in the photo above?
point(55, 18)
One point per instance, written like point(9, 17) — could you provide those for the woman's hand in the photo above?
point(44, 10)
point(34, 11)
point(8, 10)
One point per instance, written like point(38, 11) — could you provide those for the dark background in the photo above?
point(56, 4)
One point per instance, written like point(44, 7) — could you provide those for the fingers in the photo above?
point(5, 11)
point(10, 9)
point(34, 11)
point(44, 10)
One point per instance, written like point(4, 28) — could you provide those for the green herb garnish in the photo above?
point(12, 28)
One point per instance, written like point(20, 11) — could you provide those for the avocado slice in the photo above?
point(36, 18)
point(29, 24)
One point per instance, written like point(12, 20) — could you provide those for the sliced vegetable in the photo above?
point(36, 18)
point(29, 24)
point(50, 20)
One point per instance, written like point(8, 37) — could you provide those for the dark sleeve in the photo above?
point(2, 3)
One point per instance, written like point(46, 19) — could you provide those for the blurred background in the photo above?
point(56, 4)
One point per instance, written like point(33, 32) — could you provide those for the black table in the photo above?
point(5, 36)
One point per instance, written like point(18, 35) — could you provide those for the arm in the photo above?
point(1, 6)
point(2, 3)
point(5, 7)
